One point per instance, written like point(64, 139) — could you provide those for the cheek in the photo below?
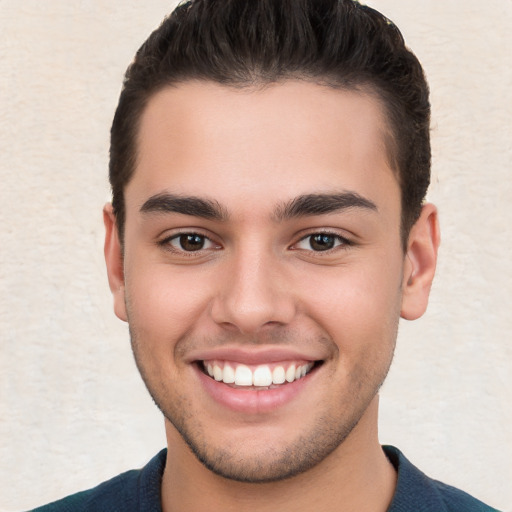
point(163, 303)
point(357, 306)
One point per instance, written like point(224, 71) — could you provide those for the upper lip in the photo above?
point(253, 356)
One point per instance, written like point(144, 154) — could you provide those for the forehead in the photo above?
point(286, 138)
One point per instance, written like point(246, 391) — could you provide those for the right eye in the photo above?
point(189, 242)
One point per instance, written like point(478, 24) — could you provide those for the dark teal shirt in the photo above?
point(139, 491)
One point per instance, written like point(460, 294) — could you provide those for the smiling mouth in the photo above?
point(257, 377)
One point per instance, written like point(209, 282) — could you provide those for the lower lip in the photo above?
point(252, 401)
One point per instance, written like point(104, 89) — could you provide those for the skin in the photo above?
point(258, 283)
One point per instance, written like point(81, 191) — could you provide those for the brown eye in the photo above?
point(191, 242)
point(322, 242)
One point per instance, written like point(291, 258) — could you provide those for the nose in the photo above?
point(253, 293)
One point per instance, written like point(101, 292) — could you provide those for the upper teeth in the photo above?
point(260, 376)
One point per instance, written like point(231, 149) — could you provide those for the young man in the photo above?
point(269, 162)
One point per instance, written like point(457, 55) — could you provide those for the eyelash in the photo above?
point(340, 243)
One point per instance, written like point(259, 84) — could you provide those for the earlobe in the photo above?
point(114, 261)
point(420, 263)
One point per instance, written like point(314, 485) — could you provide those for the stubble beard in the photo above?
point(272, 465)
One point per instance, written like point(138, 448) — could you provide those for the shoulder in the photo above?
point(111, 495)
point(130, 491)
point(416, 491)
point(457, 500)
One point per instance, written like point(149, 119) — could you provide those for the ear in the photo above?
point(420, 263)
point(114, 260)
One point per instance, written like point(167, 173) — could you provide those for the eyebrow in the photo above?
point(301, 206)
point(321, 204)
point(186, 205)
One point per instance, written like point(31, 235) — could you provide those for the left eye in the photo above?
point(190, 242)
point(321, 242)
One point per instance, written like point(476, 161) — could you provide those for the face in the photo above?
point(263, 273)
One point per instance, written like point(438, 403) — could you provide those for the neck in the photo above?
point(357, 475)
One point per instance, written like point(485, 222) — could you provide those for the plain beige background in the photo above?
point(73, 410)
